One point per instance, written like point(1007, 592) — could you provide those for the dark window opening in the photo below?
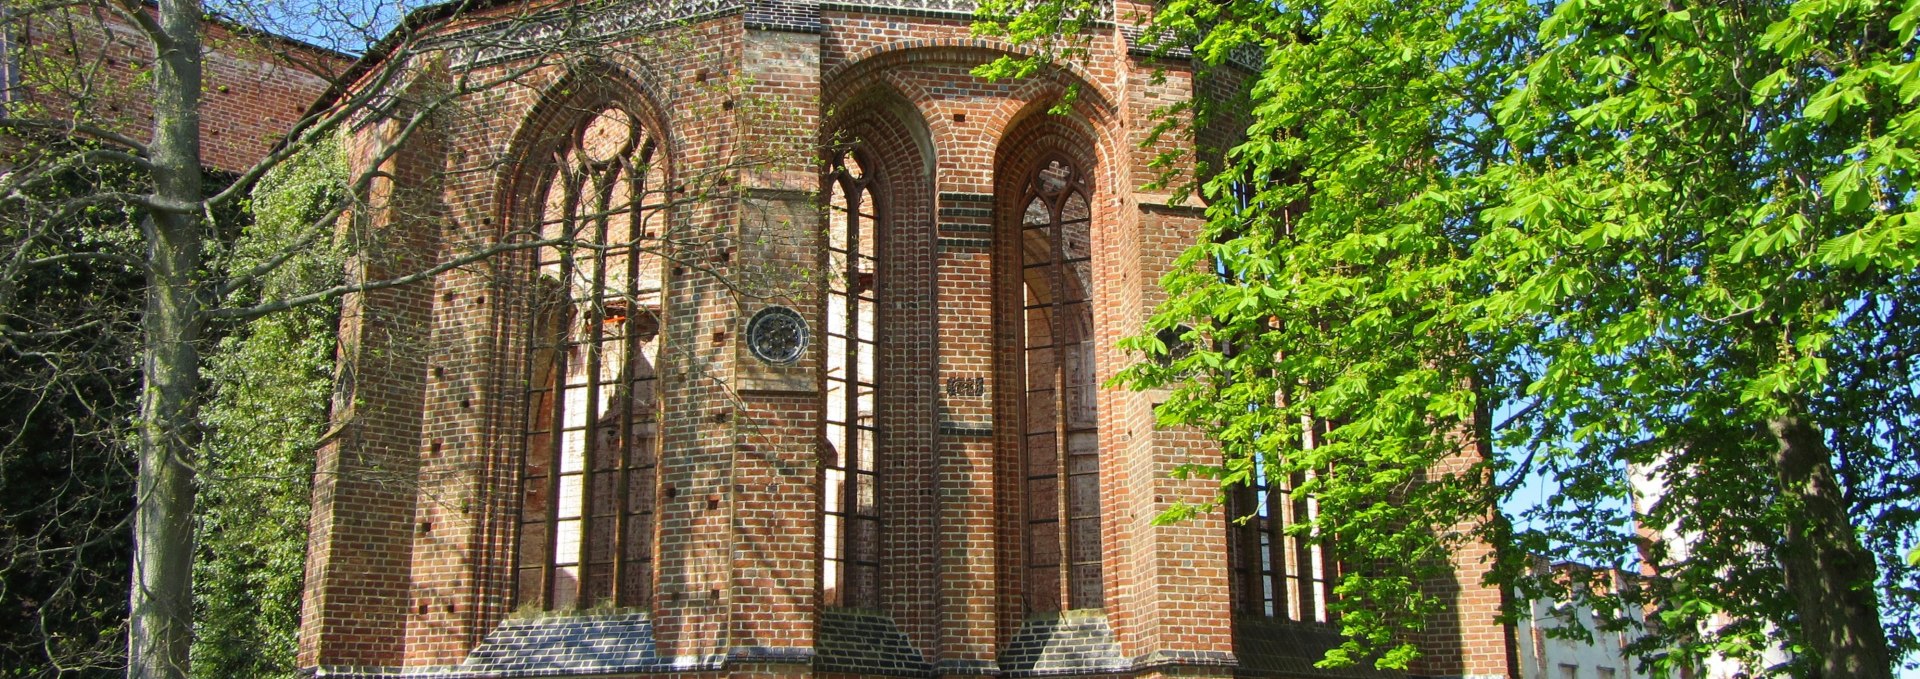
point(1278, 572)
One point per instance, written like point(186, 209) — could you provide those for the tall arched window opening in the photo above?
point(1060, 444)
point(850, 531)
point(1277, 573)
point(592, 415)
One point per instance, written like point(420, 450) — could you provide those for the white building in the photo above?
point(1543, 655)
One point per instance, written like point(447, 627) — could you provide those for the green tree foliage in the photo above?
point(1571, 240)
point(270, 381)
point(68, 383)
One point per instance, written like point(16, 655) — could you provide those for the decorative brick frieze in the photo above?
point(976, 212)
point(950, 244)
point(966, 430)
point(798, 16)
point(963, 9)
point(951, 228)
point(1139, 44)
point(570, 28)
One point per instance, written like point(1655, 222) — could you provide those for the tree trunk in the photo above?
point(1828, 573)
point(161, 629)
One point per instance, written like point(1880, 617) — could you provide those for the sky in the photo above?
point(348, 26)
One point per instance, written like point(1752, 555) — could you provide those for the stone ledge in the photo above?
point(1071, 643)
point(1270, 647)
point(617, 643)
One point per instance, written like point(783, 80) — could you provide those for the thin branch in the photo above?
point(68, 210)
point(135, 11)
point(75, 128)
point(352, 288)
point(306, 131)
point(316, 126)
point(84, 256)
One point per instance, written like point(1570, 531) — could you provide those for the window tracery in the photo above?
point(851, 517)
point(1281, 574)
point(1060, 442)
point(592, 414)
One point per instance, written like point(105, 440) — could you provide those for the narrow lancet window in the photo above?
point(592, 414)
point(1279, 572)
point(1061, 444)
point(850, 531)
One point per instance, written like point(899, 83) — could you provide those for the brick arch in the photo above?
point(887, 68)
point(868, 65)
point(1033, 137)
point(563, 103)
point(895, 138)
point(1027, 117)
point(925, 106)
point(891, 116)
point(584, 87)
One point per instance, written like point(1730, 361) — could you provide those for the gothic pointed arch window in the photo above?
point(850, 446)
point(1278, 572)
point(1060, 442)
point(594, 344)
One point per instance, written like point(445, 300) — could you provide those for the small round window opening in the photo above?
point(777, 335)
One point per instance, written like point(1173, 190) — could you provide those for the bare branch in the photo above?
point(136, 12)
point(75, 128)
point(84, 256)
point(338, 291)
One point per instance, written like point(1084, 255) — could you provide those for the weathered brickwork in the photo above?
point(254, 86)
point(416, 528)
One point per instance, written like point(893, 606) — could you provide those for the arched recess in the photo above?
point(589, 178)
point(860, 70)
point(857, 219)
point(878, 189)
point(881, 68)
point(1050, 189)
point(1277, 573)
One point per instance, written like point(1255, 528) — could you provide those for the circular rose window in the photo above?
point(777, 335)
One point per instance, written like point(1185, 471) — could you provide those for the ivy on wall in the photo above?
point(270, 379)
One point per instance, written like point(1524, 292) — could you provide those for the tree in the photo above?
point(1572, 239)
point(164, 234)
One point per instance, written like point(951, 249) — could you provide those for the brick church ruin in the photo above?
point(793, 365)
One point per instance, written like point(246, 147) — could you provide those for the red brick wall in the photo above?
point(92, 66)
point(1463, 639)
point(888, 128)
point(364, 502)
